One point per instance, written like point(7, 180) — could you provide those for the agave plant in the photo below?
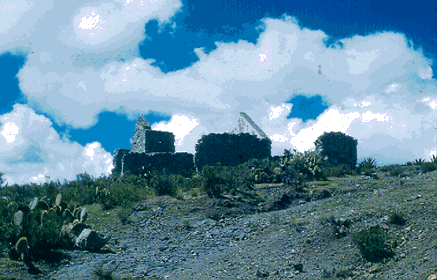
point(368, 163)
point(434, 159)
point(419, 161)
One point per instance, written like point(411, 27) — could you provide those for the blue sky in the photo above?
point(76, 75)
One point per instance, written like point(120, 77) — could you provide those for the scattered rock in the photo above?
point(91, 240)
point(262, 273)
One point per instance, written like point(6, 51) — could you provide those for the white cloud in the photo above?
point(425, 74)
point(180, 126)
point(32, 151)
point(94, 25)
point(370, 83)
point(11, 11)
point(392, 88)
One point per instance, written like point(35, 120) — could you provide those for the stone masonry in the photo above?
point(151, 148)
point(146, 140)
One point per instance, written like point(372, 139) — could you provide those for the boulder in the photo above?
point(90, 240)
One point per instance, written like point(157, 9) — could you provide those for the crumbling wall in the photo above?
point(159, 142)
point(146, 140)
point(230, 149)
point(117, 161)
point(139, 139)
point(175, 163)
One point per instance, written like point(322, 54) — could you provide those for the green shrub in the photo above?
point(123, 215)
point(338, 171)
point(419, 161)
point(395, 170)
point(371, 243)
point(102, 274)
point(396, 218)
point(164, 184)
point(213, 184)
point(428, 167)
point(125, 190)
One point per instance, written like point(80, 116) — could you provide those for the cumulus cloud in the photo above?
point(376, 84)
point(32, 151)
point(94, 25)
point(180, 126)
point(11, 12)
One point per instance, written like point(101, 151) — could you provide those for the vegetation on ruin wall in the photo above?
point(338, 147)
point(230, 149)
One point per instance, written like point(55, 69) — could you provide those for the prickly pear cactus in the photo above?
point(33, 203)
point(83, 215)
point(68, 216)
point(18, 218)
point(42, 205)
point(21, 247)
point(12, 207)
point(58, 200)
point(76, 212)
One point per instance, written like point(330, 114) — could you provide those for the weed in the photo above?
point(102, 274)
point(371, 243)
point(428, 167)
point(123, 215)
point(396, 218)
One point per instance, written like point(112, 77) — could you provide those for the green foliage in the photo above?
point(428, 167)
point(371, 243)
point(164, 184)
point(419, 161)
point(129, 188)
point(7, 227)
point(310, 165)
point(2, 181)
point(21, 247)
point(123, 215)
point(220, 179)
point(394, 169)
point(338, 171)
point(213, 184)
point(396, 218)
point(368, 163)
point(102, 274)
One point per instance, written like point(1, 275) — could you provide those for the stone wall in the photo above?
point(175, 163)
point(146, 140)
point(230, 149)
point(159, 142)
point(117, 161)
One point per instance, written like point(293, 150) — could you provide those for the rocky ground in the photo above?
point(266, 233)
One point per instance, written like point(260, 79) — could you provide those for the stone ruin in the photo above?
point(151, 148)
point(244, 142)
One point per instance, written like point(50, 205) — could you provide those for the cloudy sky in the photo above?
point(75, 76)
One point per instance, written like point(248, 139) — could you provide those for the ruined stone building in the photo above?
point(151, 148)
point(246, 141)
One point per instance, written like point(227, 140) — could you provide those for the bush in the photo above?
point(338, 171)
point(371, 243)
point(127, 189)
point(428, 167)
point(213, 184)
point(396, 218)
point(164, 184)
point(123, 215)
point(395, 170)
